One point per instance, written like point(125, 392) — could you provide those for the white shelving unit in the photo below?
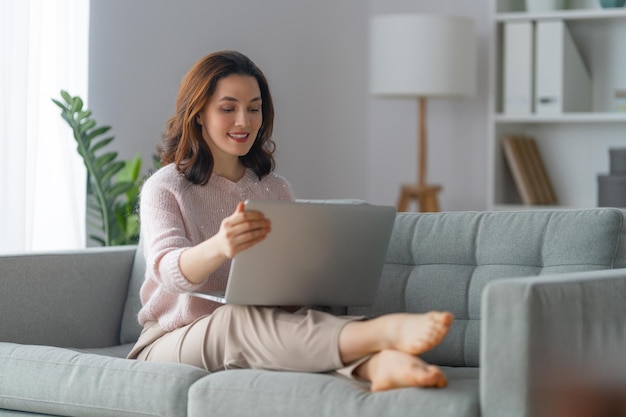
point(574, 146)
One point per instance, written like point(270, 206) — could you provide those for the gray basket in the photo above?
point(618, 161)
point(611, 191)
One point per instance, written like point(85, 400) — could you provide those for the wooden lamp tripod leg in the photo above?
point(425, 195)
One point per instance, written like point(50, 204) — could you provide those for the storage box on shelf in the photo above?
point(573, 144)
point(612, 187)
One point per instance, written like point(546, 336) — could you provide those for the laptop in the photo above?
point(317, 254)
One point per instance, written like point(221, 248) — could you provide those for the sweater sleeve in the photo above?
point(283, 189)
point(164, 234)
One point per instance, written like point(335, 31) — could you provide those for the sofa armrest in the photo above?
point(68, 299)
point(538, 332)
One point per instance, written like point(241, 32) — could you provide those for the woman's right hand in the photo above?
point(237, 232)
point(241, 230)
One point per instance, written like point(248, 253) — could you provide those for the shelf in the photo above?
point(574, 145)
point(564, 118)
point(579, 14)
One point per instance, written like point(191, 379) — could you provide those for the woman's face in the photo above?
point(232, 117)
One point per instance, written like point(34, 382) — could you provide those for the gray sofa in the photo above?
point(529, 290)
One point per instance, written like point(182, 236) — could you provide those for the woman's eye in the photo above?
point(255, 109)
point(227, 109)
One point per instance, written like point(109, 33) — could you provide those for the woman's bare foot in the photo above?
point(391, 369)
point(407, 332)
point(416, 333)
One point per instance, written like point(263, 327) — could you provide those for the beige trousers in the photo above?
point(251, 337)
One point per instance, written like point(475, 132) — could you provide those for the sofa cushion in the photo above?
point(265, 393)
point(444, 261)
point(59, 381)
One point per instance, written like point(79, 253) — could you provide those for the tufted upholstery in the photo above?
point(445, 260)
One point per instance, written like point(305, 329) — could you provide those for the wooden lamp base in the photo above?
point(425, 195)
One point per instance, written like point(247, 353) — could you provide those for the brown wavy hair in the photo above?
point(183, 143)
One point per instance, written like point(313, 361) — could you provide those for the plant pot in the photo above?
point(544, 5)
point(612, 3)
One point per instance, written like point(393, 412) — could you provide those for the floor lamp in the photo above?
point(421, 56)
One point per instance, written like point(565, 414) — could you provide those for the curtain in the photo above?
point(43, 49)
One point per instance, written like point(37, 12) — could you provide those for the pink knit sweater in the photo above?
point(175, 215)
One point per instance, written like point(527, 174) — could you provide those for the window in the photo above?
point(43, 49)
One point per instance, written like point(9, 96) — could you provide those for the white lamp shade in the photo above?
point(418, 55)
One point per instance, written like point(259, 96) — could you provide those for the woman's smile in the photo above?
point(239, 137)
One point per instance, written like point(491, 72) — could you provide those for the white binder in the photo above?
point(562, 81)
point(518, 68)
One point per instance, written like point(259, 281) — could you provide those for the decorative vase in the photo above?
point(612, 3)
point(544, 5)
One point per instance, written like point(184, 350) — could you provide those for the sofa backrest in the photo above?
point(64, 298)
point(443, 261)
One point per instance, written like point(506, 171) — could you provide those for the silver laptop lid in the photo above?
point(316, 254)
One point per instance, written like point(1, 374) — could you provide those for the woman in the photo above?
point(216, 153)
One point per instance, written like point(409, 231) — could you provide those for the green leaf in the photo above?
point(156, 162)
point(95, 223)
point(86, 125)
point(83, 115)
point(94, 218)
point(96, 132)
point(98, 239)
point(58, 103)
point(131, 170)
point(111, 170)
point(83, 152)
point(104, 159)
point(101, 143)
point(92, 203)
point(68, 99)
point(77, 104)
point(132, 226)
point(66, 117)
point(120, 188)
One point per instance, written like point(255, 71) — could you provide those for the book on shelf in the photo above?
point(528, 171)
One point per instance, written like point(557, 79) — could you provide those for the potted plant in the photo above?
point(112, 184)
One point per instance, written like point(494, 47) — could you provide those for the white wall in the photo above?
point(334, 140)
